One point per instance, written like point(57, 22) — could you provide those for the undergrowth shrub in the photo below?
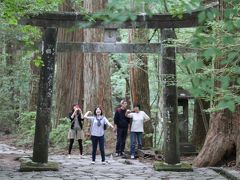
point(26, 128)
point(58, 136)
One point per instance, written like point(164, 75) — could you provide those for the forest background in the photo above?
point(210, 72)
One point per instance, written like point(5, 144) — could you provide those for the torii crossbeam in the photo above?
point(75, 19)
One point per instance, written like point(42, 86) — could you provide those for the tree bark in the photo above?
point(10, 62)
point(169, 99)
point(139, 84)
point(199, 130)
point(69, 77)
point(33, 86)
point(97, 84)
point(224, 136)
point(43, 117)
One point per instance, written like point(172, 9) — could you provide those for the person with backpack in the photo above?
point(97, 122)
point(121, 125)
point(76, 130)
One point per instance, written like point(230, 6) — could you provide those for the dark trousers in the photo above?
point(71, 144)
point(95, 140)
point(121, 139)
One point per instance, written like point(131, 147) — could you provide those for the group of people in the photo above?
point(125, 121)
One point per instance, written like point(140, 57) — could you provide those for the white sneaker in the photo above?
point(103, 163)
point(81, 156)
point(132, 157)
point(93, 162)
point(69, 156)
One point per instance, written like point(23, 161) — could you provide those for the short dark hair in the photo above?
point(94, 112)
point(122, 101)
point(136, 105)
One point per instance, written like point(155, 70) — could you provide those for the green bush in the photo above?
point(26, 131)
point(58, 136)
point(26, 128)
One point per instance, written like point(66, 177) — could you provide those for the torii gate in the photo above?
point(51, 21)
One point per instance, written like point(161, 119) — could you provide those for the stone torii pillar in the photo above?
point(169, 106)
point(168, 72)
point(43, 117)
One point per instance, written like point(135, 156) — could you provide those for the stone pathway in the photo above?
point(116, 168)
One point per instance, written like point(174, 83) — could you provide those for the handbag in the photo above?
point(105, 126)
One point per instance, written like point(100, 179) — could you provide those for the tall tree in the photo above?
point(139, 84)
point(69, 77)
point(223, 137)
point(11, 64)
point(10, 61)
point(33, 86)
point(200, 122)
point(97, 84)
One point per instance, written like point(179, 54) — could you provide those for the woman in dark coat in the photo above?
point(76, 130)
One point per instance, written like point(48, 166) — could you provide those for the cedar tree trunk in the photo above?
point(97, 83)
point(69, 77)
point(222, 140)
point(139, 84)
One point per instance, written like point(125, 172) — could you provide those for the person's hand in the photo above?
point(128, 110)
point(75, 110)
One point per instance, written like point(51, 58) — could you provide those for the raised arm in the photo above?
point(81, 113)
point(127, 114)
point(87, 114)
point(108, 123)
point(73, 114)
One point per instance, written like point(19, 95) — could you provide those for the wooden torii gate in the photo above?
point(51, 21)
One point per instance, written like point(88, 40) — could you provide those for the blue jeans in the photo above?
point(95, 140)
point(133, 137)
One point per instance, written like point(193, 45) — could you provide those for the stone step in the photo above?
point(187, 149)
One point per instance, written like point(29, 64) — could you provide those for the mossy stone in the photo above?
point(27, 166)
point(181, 167)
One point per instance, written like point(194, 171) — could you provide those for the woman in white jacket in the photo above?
point(138, 119)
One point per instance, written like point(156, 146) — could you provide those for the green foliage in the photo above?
point(26, 128)
point(15, 64)
point(38, 61)
point(14, 87)
point(58, 136)
point(214, 72)
point(118, 77)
